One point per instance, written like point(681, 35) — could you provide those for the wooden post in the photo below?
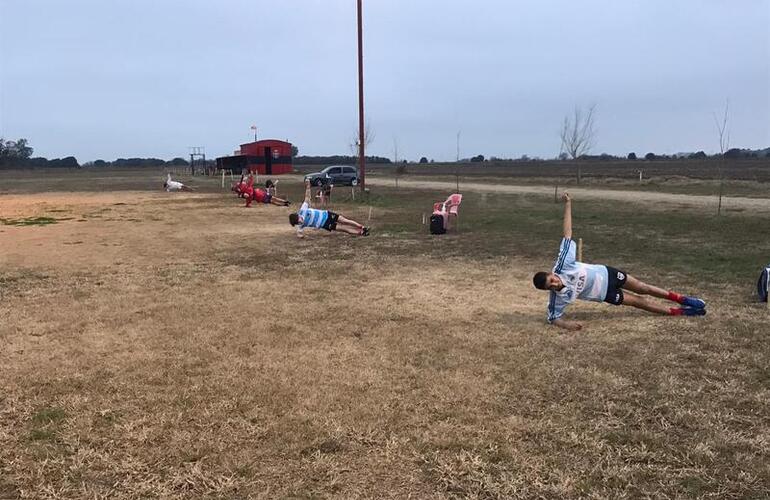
point(370, 214)
point(556, 194)
point(580, 250)
point(768, 290)
point(423, 219)
point(223, 178)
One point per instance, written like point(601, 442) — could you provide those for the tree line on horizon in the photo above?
point(18, 155)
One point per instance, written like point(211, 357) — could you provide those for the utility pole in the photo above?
point(361, 139)
point(458, 146)
point(395, 151)
point(457, 163)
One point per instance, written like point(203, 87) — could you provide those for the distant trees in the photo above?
point(294, 151)
point(700, 155)
point(477, 158)
point(17, 151)
point(337, 159)
point(650, 156)
point(18, 154)
point(423, 160)
point(67, 162)
point(632, 156)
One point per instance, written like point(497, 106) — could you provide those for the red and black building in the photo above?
point(266, 157)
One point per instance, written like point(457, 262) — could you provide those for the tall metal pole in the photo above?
point(458, 146)
point(361, 138)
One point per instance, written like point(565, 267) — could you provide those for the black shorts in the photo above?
point(615, 283)
point(331, 221)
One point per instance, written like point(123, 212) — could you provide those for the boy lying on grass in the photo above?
point(170, 185)
point(571, 280)
point(323, 219)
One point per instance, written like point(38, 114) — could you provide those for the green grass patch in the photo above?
point(31, 221)
point(49, 416)
point(42, 435)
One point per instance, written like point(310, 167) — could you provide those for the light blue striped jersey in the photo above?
point(581, 281)
point(310, 217)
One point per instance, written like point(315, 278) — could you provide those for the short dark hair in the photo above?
point(540, 279)
point(293, 219)
point(269, 183)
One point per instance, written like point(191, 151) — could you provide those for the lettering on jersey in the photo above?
point(621, 276)
point(581, 283)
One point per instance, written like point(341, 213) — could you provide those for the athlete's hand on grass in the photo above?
point(571, 326)
point(566, 197)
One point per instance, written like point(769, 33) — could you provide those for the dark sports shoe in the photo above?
point(689, 311)
point(693, 302)
point(365, 231)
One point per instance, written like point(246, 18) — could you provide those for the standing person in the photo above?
point(170, 185)
point(271, 186)
point(571, 280)
point(323, 219)
point(325, 193)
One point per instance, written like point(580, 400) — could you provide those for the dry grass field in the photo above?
point(157, 345)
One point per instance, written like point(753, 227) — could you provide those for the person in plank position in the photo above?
point(238, 187)
point(323, 219)
point(260, 195)
point(571, 280)
point(170, 185)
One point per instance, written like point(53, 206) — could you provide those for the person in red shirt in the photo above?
point(260, 195)
point(237, 187)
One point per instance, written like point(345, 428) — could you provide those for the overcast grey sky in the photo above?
point(119, 78)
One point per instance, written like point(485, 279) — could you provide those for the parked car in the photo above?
point(339, 175)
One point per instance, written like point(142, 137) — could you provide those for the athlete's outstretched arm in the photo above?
point(308, 197)
point(567, 325)
point(567, 215)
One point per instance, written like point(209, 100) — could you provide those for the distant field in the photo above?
point(160, 345)
point(748, 177)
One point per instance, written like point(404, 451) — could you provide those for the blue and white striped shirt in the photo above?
point(310, 217)
point(581, 281)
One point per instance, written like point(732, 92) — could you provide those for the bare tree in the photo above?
point(724, 144)
point(578, 134)
point(368, 139)
point(722, 130)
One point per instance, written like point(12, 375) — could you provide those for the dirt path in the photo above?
point(666, 200)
